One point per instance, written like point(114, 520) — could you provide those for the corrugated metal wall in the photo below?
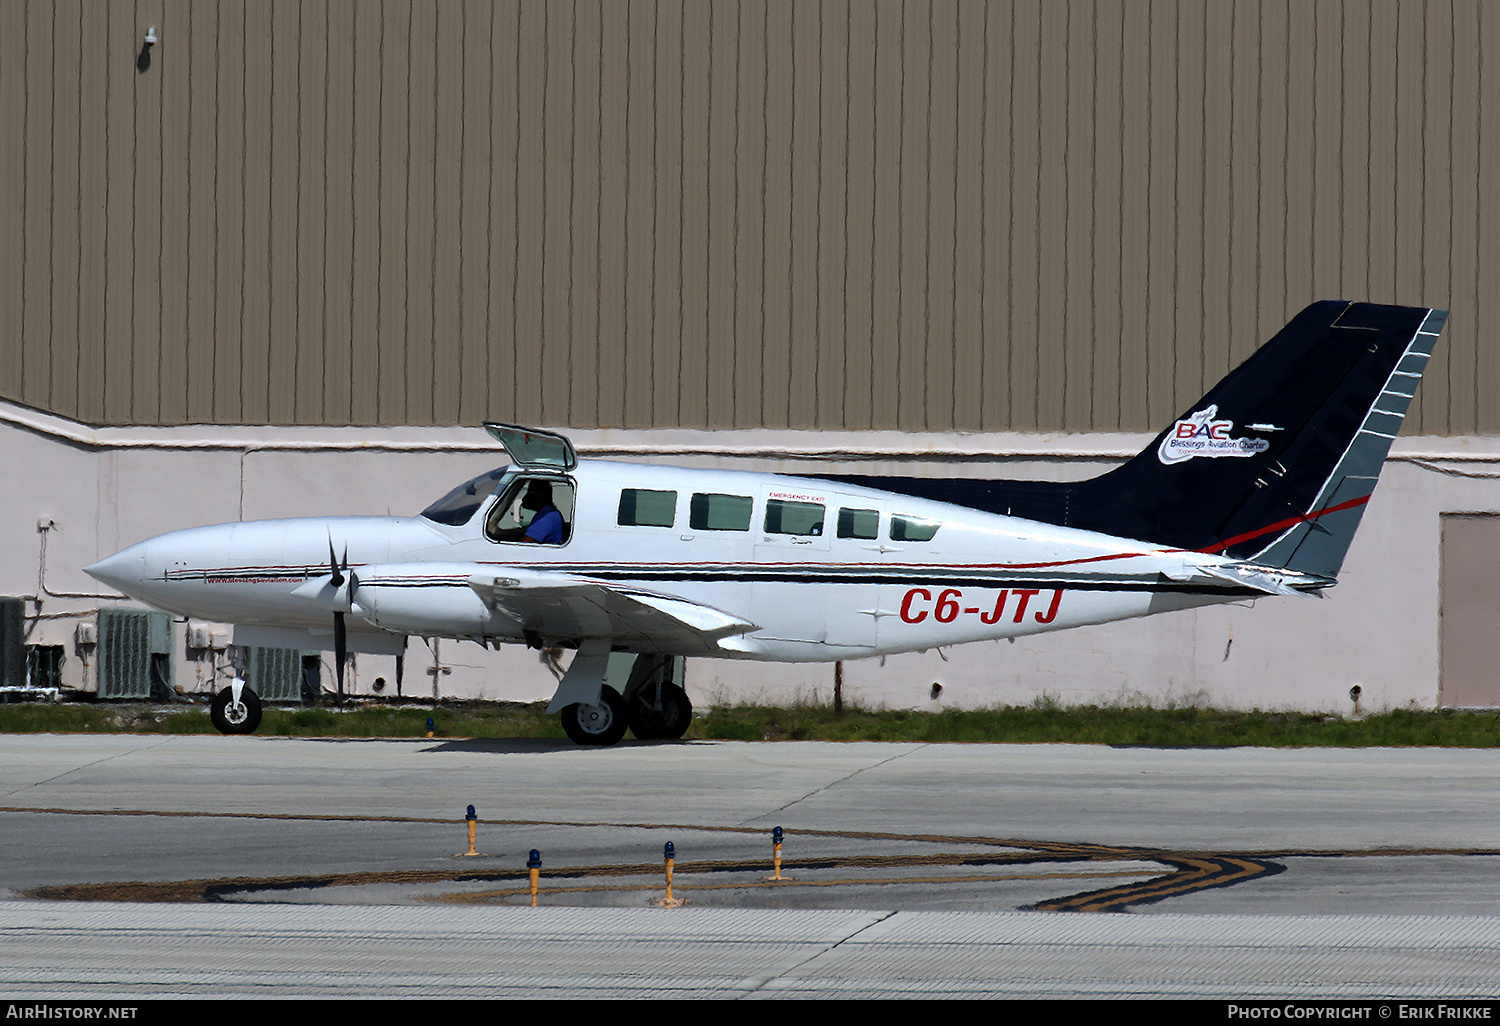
point(1056, 215)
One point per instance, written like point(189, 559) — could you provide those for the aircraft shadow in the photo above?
point(513, 745)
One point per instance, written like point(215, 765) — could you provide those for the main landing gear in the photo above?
point(660, 711)
point(601, 724)
point(654, 706)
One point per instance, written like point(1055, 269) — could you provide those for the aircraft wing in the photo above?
point(551, 606)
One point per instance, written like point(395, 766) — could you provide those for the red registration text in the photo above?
point(948, 606)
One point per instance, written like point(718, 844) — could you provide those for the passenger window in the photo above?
point(800, 518)
point(720, 512)
point(859, 523)
point(913, 529)
point(642, 507)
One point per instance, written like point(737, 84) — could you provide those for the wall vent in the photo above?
point(44, 666)
point(12, 643)
point(135, 654)
point(275, 674)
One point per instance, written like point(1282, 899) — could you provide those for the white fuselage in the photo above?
point(878, 573)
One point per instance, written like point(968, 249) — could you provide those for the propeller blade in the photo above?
point(340, 652)
point(340, 572)
point(333, 566)
point(352, 577)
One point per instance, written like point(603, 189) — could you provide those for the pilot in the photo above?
point(546, 527)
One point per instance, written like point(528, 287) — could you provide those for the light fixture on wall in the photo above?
point(143, 59)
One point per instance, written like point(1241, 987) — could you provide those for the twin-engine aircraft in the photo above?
point(1255, 490)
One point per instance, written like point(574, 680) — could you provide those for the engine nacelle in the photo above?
point(422, 598)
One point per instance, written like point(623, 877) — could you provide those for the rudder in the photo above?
point(1318, 543)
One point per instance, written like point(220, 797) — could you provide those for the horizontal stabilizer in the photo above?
point(1271, 580)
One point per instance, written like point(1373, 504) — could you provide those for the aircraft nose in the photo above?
point(124, 571)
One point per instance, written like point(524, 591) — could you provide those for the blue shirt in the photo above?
point(546, 527)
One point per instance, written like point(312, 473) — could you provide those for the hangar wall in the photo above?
point(897, 214)
point(874, 231)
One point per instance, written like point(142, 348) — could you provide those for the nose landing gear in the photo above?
point(235, 709)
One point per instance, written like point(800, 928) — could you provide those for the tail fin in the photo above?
point(1273, 466)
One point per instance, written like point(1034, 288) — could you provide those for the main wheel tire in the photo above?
point(230, 717)
point(602, 724)
point(670, 720)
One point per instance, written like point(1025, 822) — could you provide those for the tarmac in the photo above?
point(140, 867)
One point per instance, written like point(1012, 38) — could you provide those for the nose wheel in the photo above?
point(233, 714)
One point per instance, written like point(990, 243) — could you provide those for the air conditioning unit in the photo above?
point(275, 674)
point(134, 653)
point(13, 642)
point(200, 635)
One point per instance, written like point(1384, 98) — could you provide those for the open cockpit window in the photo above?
point(533, 509)
point(533, 449)
point(459, 506)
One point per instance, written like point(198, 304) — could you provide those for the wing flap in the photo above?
point(554, 607)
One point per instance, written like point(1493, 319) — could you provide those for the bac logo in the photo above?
point(1214, 429)
point(1203, 434)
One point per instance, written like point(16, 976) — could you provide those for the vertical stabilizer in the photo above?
point(1273, 466)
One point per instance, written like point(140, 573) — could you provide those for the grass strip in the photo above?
point(1042, 722)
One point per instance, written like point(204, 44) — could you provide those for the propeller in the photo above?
point(338, 573)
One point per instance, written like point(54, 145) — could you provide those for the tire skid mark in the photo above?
point(1194, 873)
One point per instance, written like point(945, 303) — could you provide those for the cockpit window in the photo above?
point(537, 509)
point(459, 506)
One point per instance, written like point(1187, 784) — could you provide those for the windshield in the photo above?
point(459, 506)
